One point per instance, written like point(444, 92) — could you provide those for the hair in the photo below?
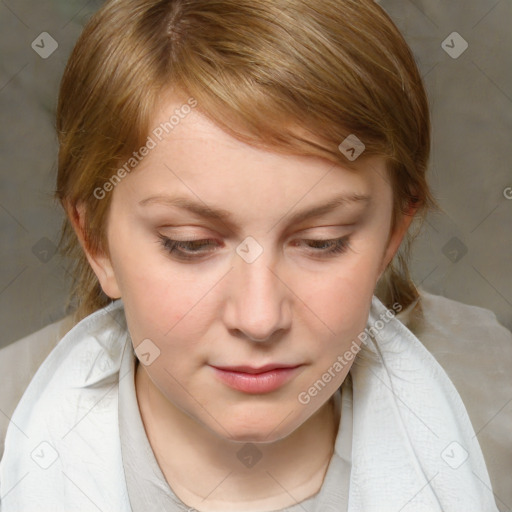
point(295, 77)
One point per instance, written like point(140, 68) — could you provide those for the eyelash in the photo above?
point(341, 245)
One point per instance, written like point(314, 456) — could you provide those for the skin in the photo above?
point(290, 305)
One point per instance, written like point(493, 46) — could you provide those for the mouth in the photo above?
point(256, 380)
point(252, 370)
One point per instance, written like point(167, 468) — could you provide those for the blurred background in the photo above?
point(464, 53)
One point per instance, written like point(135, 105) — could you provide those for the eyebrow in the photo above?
point(219, 214)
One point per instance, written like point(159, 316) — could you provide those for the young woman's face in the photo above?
point(251, 280)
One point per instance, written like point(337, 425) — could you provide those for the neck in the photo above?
point(211, 473)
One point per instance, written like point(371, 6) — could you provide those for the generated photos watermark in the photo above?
point(344, 359)
point(157, 135)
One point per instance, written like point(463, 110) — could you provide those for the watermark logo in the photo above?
point(352, 147)
point(249, 455)
point(147, 352)
point(454, 455)
point(454, 45)
point(44, 250)
point(44, 45)
point(454, 249)
point(44, 455)
point(249, 249)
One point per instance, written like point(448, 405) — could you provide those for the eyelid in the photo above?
point(187, 237)
point(303, 234)
point(340, 246)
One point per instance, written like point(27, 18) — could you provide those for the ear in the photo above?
point(100, 262)
point(395, 238)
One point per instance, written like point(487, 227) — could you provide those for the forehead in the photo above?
point(190, 154)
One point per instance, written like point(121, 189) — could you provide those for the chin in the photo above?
point(257, 437)
point(270, 430)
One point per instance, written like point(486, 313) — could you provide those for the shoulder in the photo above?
point(461, 335)
point(475, 350)
point(74, 389)
point(20, 360)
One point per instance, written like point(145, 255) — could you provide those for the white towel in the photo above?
point(413, 449)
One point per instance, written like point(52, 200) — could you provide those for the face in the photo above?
point(257, 283)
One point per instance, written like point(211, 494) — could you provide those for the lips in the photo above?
point(252, 370)
point(263, 379)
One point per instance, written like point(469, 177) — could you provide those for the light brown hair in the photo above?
point(260, 69)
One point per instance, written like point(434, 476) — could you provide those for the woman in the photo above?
point(238, 178)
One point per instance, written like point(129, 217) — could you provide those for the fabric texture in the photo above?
point(414, 447)
point(19, 362)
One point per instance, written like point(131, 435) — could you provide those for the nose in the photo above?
point(259, 301)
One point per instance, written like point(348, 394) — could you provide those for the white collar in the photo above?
point(413, 446)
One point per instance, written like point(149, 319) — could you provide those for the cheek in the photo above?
point(339, 307)
point(340, 296)
point(156, 294)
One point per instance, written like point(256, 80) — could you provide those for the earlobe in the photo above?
point(99, 261)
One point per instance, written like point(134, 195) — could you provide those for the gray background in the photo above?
point(464, 254)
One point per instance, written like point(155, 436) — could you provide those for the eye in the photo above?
point(330, 247)
point(185, 249)
point(194, 249)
